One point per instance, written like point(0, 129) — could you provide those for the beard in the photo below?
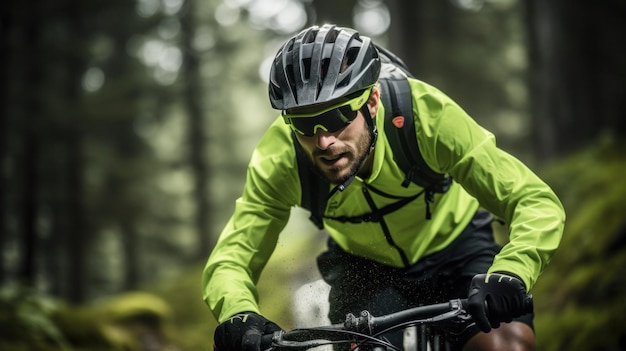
point(356, 157)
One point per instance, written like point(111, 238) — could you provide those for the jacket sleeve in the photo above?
point(250, 236)
point(454, 143)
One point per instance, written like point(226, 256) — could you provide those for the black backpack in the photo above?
point(400, 130)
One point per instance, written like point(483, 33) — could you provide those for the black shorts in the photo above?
point(359, 284)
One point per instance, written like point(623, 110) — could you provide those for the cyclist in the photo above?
point(324, 80)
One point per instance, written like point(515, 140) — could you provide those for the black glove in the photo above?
point(495, 298)
point(242, 332)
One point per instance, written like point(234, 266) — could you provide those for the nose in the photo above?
point(324, 139)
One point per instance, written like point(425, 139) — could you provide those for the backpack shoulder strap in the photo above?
point(400, 131)
point(314, 188)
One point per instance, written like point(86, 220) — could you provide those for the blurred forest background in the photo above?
point(126, 127)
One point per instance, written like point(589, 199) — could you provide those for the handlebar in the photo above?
point(366, 327)
point(427, 314)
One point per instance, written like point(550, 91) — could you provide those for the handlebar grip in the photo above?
point(266, 341)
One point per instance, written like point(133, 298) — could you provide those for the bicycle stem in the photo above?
point(366, 323)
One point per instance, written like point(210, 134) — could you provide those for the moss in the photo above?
point(192, 325)
point(26, 322)
point(579, 298)
point(120, 322)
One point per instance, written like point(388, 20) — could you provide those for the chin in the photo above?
point(337, 176)
point(337, 180)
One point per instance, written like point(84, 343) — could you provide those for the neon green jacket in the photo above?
point(451, 142)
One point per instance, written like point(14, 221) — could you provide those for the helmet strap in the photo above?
point(370, 124)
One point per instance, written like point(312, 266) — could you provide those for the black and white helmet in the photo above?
point(320, 65)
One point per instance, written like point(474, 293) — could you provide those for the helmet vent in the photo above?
point(344, 81)
point(289, 46)
point(310, 37)
point(306, 64)
point(292, 82)
point(276, 91)
point(324, 68)
point(351, 55)
point(331, 37)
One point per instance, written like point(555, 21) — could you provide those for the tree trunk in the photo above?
point(6, 63)
point(30, 138)
point(334, 12)
point(78, 234)
point(417, 26)
point(132, 264)
point(577, 73)
point(196, 133)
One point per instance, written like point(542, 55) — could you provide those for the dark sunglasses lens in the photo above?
point(330, 121)
point(347, 113)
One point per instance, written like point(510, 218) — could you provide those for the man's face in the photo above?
point(338, 155)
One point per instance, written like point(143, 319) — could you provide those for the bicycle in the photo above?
point(363, 332)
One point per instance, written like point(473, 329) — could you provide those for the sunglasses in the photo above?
point(329, 120)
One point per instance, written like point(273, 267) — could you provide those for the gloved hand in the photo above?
point(242, 332)
point(495, 298)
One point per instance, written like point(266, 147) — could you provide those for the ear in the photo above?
point(373, 101)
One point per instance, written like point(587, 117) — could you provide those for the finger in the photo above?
point(478, 312)
point(251, 340)
point(494, 324)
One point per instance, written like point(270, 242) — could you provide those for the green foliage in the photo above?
point(121, 322)
point(191, 322)
point(125, 322)
point(580, 297)
point(26, 323)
